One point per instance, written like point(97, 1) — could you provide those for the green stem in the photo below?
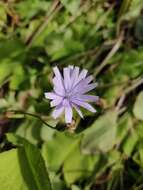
point(31, 114)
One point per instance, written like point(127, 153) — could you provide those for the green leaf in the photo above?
point(30, 130)
point(11, 57)
point(14, 139)
point(129, 65)
point(5, 71)
point(24, 169)
point(124, 124)
point(11, 177)
point(60, 46)
point(113, 157)
point(79, 166)
point(139, 130)
point(58, 148)
point(74, 187)
point(10, 48)
point(58, 184)
point(139, 28)
point(130, 9)
point(17, 78)
point(72, 6)
point(135, 8)
point(64, 149)
point(2, 15)
point(138, 107)
point(101, 135)
point(35, 6)
point(37, 166)
point(138, 157)
point(130, 143)
point(111, 94)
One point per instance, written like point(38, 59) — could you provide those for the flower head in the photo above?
point(70, 92)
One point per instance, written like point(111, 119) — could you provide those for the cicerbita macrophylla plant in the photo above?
point(69, 92)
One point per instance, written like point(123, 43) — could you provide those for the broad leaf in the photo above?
point(24, 169)
point(101, 135)
point(57, 149)
point(79, 166)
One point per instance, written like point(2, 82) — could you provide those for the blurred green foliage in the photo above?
point(106, 150)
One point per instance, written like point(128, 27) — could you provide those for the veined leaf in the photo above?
point(78, 165)
point(57, 149)
point(23, 169)
point(101, 135)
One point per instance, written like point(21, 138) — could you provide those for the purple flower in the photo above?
point(69, 92)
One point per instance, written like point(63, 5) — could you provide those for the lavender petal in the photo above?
point(58, 87)
point(86, 98)
point(57, 112)
point(58, 81)
point(50, 95)
point(68, 114)
point(82, 88)
point(67, 80)
point(56, 101)
point(82, 75)
point(78, 110)
point(84, 105)
point(74, 76)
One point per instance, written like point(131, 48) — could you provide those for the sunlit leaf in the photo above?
point(23, 168)
point(101, 135)
point(57, 149)
point(78, 166)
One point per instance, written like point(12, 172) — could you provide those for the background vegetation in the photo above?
point(106, 150)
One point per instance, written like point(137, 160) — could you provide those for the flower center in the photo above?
point(68, 94)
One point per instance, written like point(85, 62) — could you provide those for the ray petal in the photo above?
point(83, 88)
point(68, 114)
point(51, 95)
point(86, 98)
point(84, 105)
point(58, 87)
point(58, 80)
point(78, 110)
point(67, 79)
point(74, 76)
point(71, 67)
point(82, 75)
point(57, 112)
point(87, 88)
point(56, 101)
